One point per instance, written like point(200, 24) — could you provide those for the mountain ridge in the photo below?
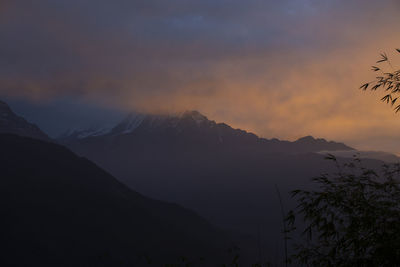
point(14, 124)
point(192, 121)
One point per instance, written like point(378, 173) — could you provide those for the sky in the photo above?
point(283, 69)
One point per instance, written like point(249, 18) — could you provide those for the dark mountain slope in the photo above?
point(11, 123)
point(61, 210)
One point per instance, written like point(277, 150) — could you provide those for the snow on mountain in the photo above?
point(194, 115)
point(129, 124)
point(93, 132)
point(85, 133)
point(132, 122)
point(156, 121)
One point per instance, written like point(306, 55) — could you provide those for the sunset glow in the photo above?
point(280, 69)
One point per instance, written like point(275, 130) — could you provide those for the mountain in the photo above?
point(226, 175)
point(193, 127)
point(310, 144)
point(58, 209)
point(11, 123)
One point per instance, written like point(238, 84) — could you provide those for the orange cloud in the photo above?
point(280, 70)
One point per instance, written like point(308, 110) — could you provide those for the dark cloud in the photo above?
point(244, 62)
point(67, 114)
point(74, 47)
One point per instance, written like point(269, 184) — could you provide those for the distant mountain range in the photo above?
point(193, 127)
point(229, 176)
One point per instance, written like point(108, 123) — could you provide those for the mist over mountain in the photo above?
point(378, 155)
point(62, 210)
point(11, 123)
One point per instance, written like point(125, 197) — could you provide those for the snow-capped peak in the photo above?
point(153, 121)
point(94, 132)
point(131, 122)
point(194, 115)
point(84, 133)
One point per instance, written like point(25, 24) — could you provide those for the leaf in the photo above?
point(376, 87)
point(330, 157)
point(364, 86)
point(386, 98)
point(383, 58)
point(374, 68)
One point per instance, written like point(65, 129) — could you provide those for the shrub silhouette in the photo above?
point(351, 219)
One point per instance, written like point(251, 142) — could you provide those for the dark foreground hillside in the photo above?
point(62, 210)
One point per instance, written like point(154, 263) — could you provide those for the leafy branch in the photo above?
point(388, 80)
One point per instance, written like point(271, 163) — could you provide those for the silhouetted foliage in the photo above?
point(352, 218)
point(388, 79)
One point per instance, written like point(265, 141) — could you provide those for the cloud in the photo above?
point(279, 68)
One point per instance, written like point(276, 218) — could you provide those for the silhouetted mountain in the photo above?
point(11, 123)
point(192, 127)
point(310, 144)
point(225, 174)
point(58, 209)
